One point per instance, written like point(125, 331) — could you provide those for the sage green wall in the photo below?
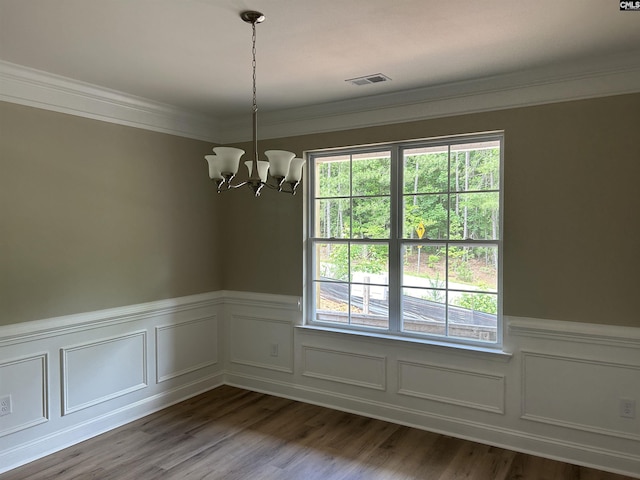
point(572, 210)
point(96, 215)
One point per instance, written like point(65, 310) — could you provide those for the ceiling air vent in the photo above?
point(369, 79)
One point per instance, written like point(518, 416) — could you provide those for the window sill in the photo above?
point(461, 348)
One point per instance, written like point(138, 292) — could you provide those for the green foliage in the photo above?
point(435, 282)
point(479, 302)
point(339, 258)
point(463, 272)
point(426, 173)
point(368, 258)
point(459, 263)
point(431, 210)
point(434, 296)
point(433, 260)
point(451, 192)
point(367, 215)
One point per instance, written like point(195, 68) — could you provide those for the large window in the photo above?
point(405, 239)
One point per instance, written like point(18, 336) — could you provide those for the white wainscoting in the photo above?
point(102, 370)
point(74, 377)
point(25, 380)
point(467, 388)
point(186, 347)
point(550, 380)
point(364, 370)
point(261, 341)
point(554, 391)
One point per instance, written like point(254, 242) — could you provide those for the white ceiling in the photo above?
point(196, 54)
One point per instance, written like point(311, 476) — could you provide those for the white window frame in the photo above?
point(396, 241)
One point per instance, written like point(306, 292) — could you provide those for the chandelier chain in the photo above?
point(253, 51)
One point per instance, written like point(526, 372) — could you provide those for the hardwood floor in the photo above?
point(229, 433)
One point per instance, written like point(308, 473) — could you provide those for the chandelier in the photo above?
point(282, 172)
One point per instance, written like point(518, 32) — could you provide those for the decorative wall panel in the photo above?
point(344, 367)
point(579, 393)
point(25, 380)
point(102, 370)
point(467, 388)
point(262, 342)
point(185, 347)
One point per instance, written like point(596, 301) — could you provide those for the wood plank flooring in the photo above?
point(230, 434)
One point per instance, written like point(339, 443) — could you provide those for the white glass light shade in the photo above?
point(263, 169)
point(279, 161)
point(295, 170)
point(228, 159)
point(214, 169)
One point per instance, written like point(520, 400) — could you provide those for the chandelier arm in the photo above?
point(238, 185)
point(292, 186)
point(230, 186)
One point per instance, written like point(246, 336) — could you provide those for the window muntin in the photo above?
point(405, 239)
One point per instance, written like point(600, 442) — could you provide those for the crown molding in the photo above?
point(35, 88)
point(614, 75)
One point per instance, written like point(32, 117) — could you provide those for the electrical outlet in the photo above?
point(5, 405)
point(274, 350)
point(627, 408)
